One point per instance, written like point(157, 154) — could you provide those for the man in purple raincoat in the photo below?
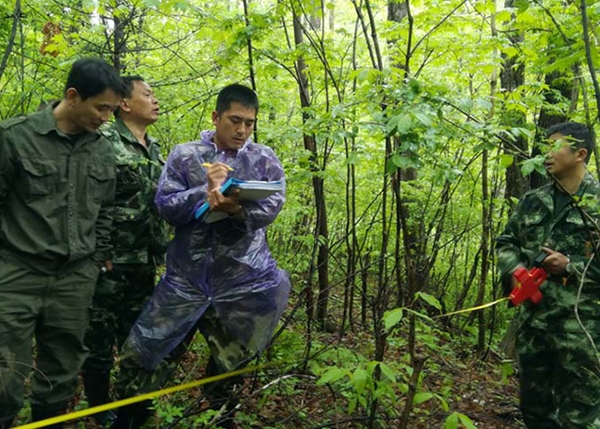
point(221, 278)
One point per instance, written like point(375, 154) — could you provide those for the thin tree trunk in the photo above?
point(485, 234)
point(322, 234)
point(485, 216)
point(512, 76)
point(250, 59)
point(588, 55)
point(11, 39)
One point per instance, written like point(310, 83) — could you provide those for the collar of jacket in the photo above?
point(44, 121)
point(126, 133)
point(546, 193)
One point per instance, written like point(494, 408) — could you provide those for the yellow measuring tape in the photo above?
point(139, 398)
point(117, 404)
point(479, 307)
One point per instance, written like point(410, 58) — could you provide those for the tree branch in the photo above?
point(11, 39)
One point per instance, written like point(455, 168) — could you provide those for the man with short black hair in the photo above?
point(559, 371)
point(139, 239)
point(57, 179)
point(221, 279)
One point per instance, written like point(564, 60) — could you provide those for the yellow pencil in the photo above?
point(208, 164)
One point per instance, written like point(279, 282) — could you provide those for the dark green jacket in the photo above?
point(139, 236)
point(573, 231)
point(56, 194)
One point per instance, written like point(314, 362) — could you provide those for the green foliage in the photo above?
point(536, 163)
point(167, 411)
point(431, 111)
point(453, 420)
point(507, 370)
point(364, 387)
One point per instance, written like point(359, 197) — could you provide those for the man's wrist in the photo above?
point(239, 214)
point(569, 267)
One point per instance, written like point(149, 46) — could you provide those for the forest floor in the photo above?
point(484, 391)
point(453, 380)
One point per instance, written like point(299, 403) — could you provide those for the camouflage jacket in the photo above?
point(56, 194)
point(138, 236)
point(573, 231)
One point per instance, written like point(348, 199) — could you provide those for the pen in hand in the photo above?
point(208, 164)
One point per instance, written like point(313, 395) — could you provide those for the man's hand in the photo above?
point(108, 266)
point(220, 203)
point(217, 175)
point(555, 263)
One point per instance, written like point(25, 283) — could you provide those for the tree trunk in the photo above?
point(485, 234)
point(321, 230)
point(11, 40)
point(556, 82)
point(512, 76)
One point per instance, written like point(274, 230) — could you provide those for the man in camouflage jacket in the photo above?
point(556, 339)
point(57, 182)
point(138, 237)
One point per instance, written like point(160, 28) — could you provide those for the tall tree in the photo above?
point(321, 228)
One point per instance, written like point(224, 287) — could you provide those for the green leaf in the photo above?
point(422, 397)
point(536, 163)
point(430, 299)
point(506, 160)
point(353, 158)
point(352, 405)
point(451, 421)
point(415, 86)
point(392, 318)
point(503, 16)
point(416, 313)
point(359, 379)
point(388, 372)
point(182, 5)
point(444, 403)
point(404, 124)
point(332, 375)
point(465, 420)
point(401, 161)
point(484, 146)
point(507, 370)
point(423, 118)
point(89, 5)
point(522, 5)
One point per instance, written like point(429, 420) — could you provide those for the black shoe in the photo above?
point(96, 385)
point(105, 418)
point(46, 412)
point(133, 416)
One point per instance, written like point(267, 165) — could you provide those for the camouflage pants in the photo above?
point(54, 309)
point(560, 379)
point(227, 354)
point(119, 298)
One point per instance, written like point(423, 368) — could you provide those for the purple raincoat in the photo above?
point(226, 264)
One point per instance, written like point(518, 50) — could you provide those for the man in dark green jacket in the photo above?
point(139, 238)
point(57, 180)
point(557, 338)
